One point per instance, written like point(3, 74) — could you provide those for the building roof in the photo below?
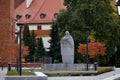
point(39, 11)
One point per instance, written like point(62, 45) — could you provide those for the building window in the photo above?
point(27, 16)
point(42, 15)
point(55, 15)
point(39, 27)
point(18, 16)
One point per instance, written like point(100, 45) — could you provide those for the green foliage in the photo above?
point(55, 43)
point(40, 50)
point(29, 40)
point(26, 35)
point(79, 58)
point(103, 70)
point(99, 16)
point(32, 45)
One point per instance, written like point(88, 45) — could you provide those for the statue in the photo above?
point(67, 49)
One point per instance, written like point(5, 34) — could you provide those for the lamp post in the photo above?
point(87, 31)
point(118, 9)
point(20, 47)
point(115, 56)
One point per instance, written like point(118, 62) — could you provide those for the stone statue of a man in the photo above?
point(67, 49)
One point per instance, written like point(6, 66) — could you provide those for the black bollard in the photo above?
point(95, 66)
point(9, 67)
point(2, 68)
point(17, 65)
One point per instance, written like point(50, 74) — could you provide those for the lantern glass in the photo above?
point(116, 1)
point(118, 8)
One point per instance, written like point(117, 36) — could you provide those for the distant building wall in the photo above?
point(45, 38)
point(6, 21)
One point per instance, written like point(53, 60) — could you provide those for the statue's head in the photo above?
point(67, 33)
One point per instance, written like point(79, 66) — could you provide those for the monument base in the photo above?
point(68, 59)
point(63, 66)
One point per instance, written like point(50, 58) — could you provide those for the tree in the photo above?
point(98, 15)
point(55, 52)
point(32, 45)
point(94, 48)
point(29, 40)
point(40, 50)
point(26, 35)
point(12, 54)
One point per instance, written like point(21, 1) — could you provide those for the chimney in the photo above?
point(28, 3)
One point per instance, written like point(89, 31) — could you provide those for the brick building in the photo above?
point(42, 13)
point(6, 28)
point(39, 15)
point(7, 38)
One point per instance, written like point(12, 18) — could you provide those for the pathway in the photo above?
point(98, 77)
point(109, 74)
point(3, 73)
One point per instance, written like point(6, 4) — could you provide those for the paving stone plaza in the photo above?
point(106, 76)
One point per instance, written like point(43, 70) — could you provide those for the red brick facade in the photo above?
point(6, 28)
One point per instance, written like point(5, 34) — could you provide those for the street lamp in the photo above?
point(118, 9)
point(20, 47)
point(118, 6)
point(87, 31)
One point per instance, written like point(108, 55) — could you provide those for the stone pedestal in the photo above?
point(64, 66)
point(68, 59)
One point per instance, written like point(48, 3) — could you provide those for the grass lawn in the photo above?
point(16, 73)
point(104, 70)
point(31, 72)
point(77, 73)
point(100, 70)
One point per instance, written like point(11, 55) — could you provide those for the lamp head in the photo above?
point(118, 6)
